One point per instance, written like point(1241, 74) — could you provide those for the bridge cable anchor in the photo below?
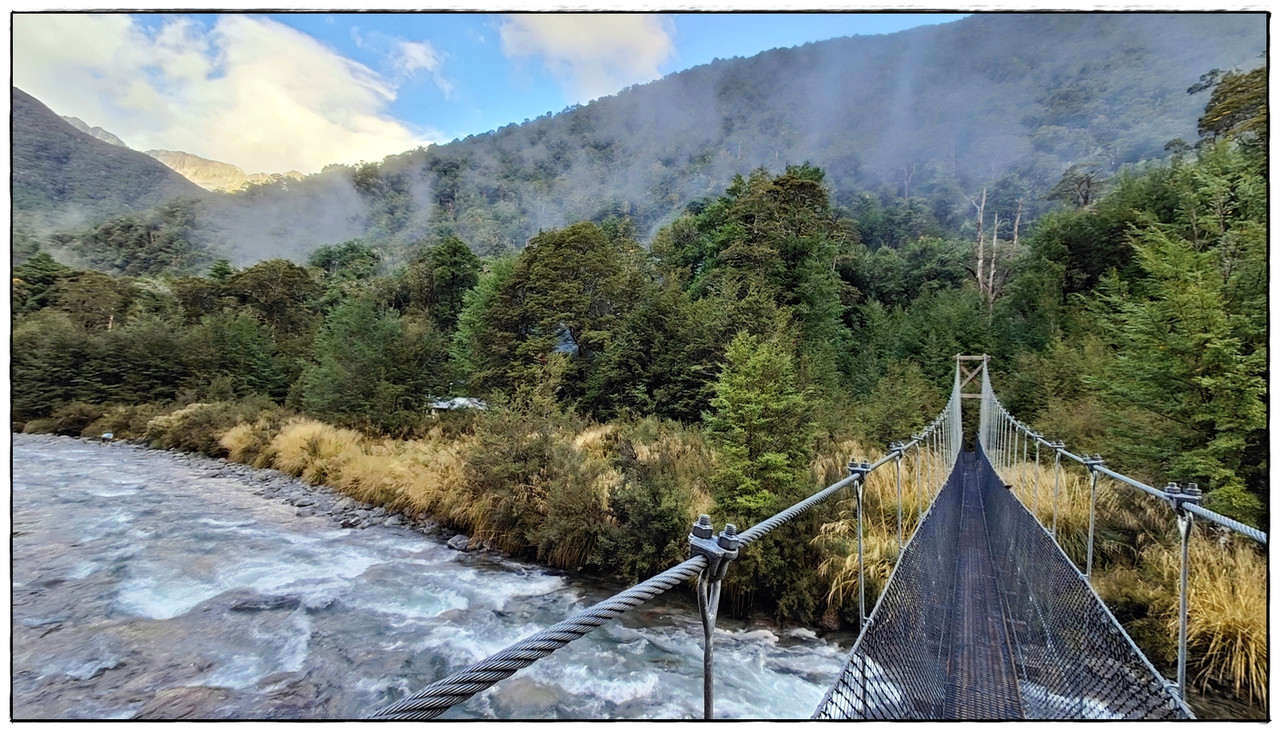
point(719, 549)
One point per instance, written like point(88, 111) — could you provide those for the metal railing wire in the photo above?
point(711, 555)
point(998, 434)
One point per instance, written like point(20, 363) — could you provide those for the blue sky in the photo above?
point(274, 92)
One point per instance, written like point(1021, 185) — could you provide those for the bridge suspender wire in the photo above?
point(434, 700)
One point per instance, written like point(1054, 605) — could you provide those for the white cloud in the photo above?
point(591, 55)
point(248, 91)
point(410, 57)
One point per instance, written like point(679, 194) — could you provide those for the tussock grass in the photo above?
point(921, 480)
point(1227, 620)
point(1137, 568)
point(314, 451)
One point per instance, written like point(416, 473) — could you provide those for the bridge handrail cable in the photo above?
point(999, 429)
point(435, 699)
point(1217, 518)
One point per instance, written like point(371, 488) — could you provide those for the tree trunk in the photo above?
point(991, 271)
point(981, 206)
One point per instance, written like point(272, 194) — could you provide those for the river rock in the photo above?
point(459, 542)
point(259, 603)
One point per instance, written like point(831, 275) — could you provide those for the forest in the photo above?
point(732, 366)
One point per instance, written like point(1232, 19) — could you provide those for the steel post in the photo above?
point(1057, 470)
point(897, 469)
point(1092, 464)
point(719, 549)
point(1035, 507)
point(1180, 498)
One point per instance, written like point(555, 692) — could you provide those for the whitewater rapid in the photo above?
point(146, 585)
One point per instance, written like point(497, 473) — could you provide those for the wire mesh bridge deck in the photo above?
point(985, 618)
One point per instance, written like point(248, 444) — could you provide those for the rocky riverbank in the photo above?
point(309, 499)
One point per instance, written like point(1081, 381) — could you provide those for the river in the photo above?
point(146, 585)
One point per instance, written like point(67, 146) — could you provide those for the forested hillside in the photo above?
point(909, 129)
point(64, 179)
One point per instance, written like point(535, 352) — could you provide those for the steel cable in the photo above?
point(435, 699)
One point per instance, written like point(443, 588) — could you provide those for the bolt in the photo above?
point(728, 538)
point(702, 529)
point(1193, 492)
point(1172, 489)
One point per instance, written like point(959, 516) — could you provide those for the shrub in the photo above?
point(313, 450)
point(199, 427)
point(73, 417)
point(126, 422)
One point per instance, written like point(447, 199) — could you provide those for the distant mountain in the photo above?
point(933, 115)
point(211, 174)
point(97, 132)
point(64, 178)
point(912, 123)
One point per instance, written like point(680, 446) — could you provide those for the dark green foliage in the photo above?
point(369, 366)
point(33, 283)
point(280, 292)
point(1189, 374)
point(564, 294)
point(93, 299)
point(902, 402)
point(762, 426)
point(163, 239)
point(1237, 109)
point(652, 504)
point(136, 362)
point(234, 352)
point(454, 270)
point(351, 260)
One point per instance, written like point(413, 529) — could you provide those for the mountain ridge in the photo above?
point(214, 175)
point(926, 117)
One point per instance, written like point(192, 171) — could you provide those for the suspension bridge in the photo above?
point(984, 616)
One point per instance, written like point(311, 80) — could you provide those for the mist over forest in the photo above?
point(910, 124)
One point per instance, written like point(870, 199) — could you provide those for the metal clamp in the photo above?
point(859, 470)
point(1093, 463)
point(1178, 496)
point(719, 549)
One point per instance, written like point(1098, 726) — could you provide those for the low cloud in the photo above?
point(247, 91)
point(591, 55)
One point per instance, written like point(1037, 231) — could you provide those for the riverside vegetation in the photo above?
point(730, 368)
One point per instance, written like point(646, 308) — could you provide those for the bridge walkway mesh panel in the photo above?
point(1074, 659)
point(981, 677)
point(986, 618)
